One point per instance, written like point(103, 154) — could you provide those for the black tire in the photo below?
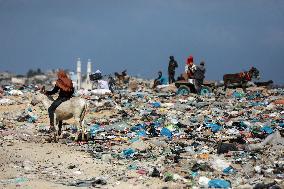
point(183, 90)
point(205, 90)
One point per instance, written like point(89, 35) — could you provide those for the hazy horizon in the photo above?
point(229, 35)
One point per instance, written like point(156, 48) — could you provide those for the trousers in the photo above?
point(53, 107)
point(198, 84)
point(171, 77)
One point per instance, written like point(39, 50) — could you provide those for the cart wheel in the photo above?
point(205, 90)
point(183, 90)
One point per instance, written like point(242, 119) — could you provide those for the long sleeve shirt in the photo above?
point(63, 94)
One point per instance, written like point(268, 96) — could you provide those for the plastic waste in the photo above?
point(229, 170)
point(219, 183)
point(132, 167)
point(138, 127)
point(238, 95)
point(168, 177)
point(141, 133)
point(156, 104)
point(267, 129)
point(166, 132)
point(274, 139)
point(226, 147)
point(214, 127)
point(94, 129)
point(155, 173)
point(219, 164)
point(203, 181)
point(32, 119)
point(120, 126)
point(128, 153)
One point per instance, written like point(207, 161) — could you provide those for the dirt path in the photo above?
point(53, 165)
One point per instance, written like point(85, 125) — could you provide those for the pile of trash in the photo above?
point(213, 141)
point(219, 140)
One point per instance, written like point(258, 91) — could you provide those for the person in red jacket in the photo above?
point(190, 67)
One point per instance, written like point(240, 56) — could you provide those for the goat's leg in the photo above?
point(83, 130)
point(243, 85)
point(79, 129)
point(59, 128)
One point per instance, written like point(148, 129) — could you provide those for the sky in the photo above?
point(139, 35)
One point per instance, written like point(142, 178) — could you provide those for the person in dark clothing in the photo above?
point(171, 69)
point(199, 75)
point(65, 87)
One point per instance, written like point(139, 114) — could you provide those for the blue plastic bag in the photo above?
point(138, 127)
point(156, 104)
point(32, 119)
point(166, 132)
point(237, 94)
point(229, 170)
point(267, 129)
point(142, 133)
point(214, 127)
point(129, 152)
point(94, 129)
point(219, 183)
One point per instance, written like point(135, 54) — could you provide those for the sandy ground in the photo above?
point(28, 162)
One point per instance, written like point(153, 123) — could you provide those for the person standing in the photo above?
point(199, 75)
point(171, 69)
point(190, 67)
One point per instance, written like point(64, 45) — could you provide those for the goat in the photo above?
point(75, 107)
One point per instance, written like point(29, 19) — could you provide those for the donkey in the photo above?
point(241, 78)
point(76, 107)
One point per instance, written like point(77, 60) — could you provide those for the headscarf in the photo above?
point(189, 60)
point(63, 82)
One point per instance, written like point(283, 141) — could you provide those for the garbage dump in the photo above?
point(151, 139)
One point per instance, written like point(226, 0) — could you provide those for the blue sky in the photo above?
point(140, 35)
